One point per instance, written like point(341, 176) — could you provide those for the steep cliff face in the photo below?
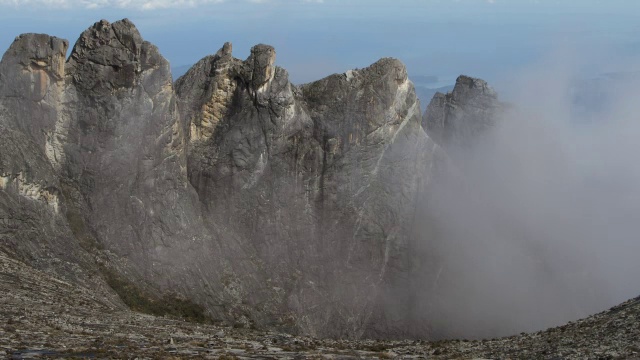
point(266, 203)
point(319, 181)
point(93, 161)
point(376, 161)
point(34, 225)
point(124, 149)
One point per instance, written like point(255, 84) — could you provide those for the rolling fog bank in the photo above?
point(537, 222)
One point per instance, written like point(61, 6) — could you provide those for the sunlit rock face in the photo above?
point(268, 204)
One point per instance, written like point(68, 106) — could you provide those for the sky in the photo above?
point(315, 38)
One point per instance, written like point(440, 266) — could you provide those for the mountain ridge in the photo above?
point(230, 195)
point(162, 188)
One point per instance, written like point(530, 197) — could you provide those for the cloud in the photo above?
point(122, 4)
point(538, 223)
point(131, 4)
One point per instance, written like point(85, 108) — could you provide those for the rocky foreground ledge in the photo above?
point(46, 317)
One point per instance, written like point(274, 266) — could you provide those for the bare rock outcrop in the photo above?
point(310, 178)
point(456, 118)
point(258, 202)
point(35, 225)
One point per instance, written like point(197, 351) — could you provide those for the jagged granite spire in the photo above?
point(454, 119)
point(34, 215)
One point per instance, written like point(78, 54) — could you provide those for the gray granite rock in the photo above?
point(456, 118)
point(264, 203)
point(34, 216)
point(310, 178)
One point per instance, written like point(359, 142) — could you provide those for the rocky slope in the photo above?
point(45, 317)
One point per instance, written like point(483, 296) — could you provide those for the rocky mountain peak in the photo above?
point(381, 96)
point(32, 63)
point(383, 68)
point(455, 118)
point(469, 89)
point(209, 87)
point(32, 75)
point(122, 35)
point(107, 56)
point(260, 68)
point(226, 50)
point(394, 67)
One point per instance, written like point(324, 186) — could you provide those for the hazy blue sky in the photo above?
point(315, 38)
